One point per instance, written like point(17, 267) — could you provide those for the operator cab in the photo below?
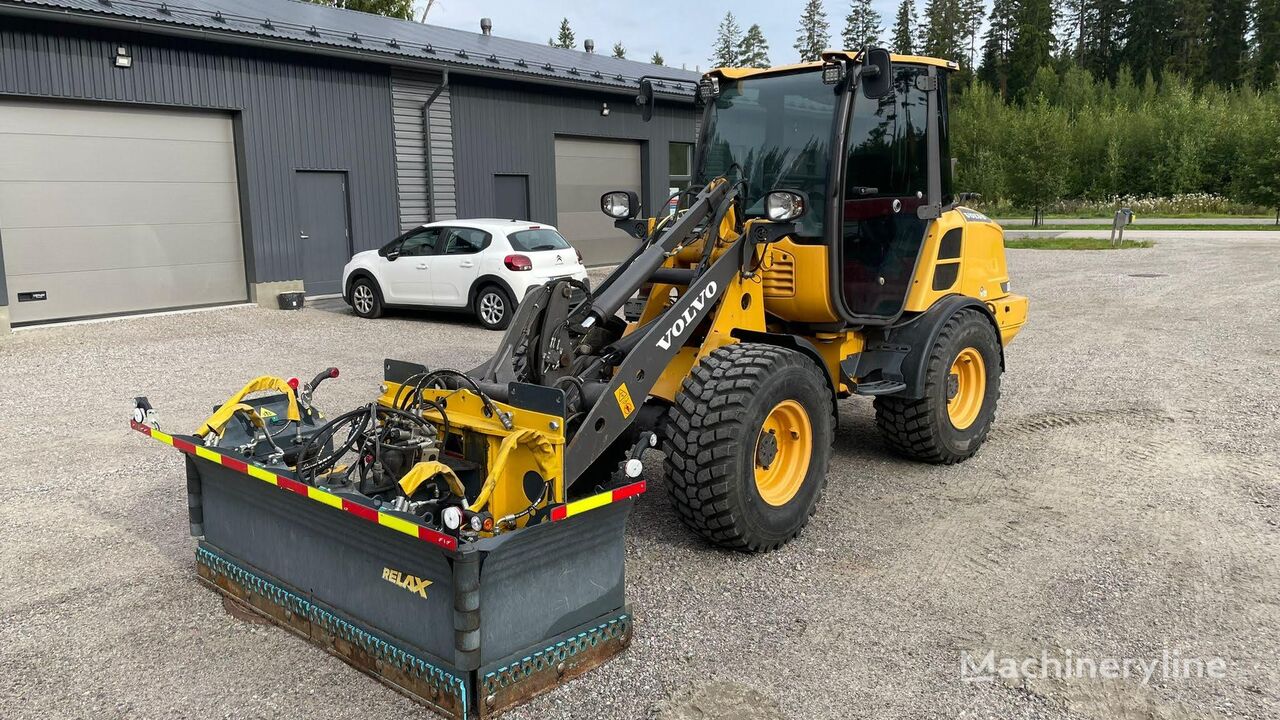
point(775, 130)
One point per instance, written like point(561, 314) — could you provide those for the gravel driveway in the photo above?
point(1126, 505)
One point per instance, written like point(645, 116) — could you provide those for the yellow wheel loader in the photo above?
point(460, 537)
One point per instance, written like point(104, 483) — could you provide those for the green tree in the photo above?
point(1267, 39)
point(945, 28)
point(1226, 28)
point(1149, 36)
point(862, 26)
point(1188, 37)
point(904, 28)
point(565, 39)
point(724, 52)
point(620, 51)
point(754, 50)
point(1258, 180)
point(1032, 45)
point(402, 9)
point(814, 33)
point(1102, 44)
point(995, 48)
point(657, 59)
point(1037, 173)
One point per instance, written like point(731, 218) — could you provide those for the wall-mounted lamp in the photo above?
point(604, 109)
point(123, 58)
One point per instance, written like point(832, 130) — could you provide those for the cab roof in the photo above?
point(738, 73)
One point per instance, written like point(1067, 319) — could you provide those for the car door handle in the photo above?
point(466, 263)
point(422, 266)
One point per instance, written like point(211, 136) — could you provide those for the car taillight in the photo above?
point(517, 262)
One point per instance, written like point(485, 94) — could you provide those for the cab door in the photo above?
point(886, 178)
point(456, 265)
point(404, 269)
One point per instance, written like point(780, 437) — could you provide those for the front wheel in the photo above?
point(494, 307)
point(366, 300)
point(748, 441)
point(962, 386)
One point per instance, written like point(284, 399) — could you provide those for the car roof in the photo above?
point(497, 226)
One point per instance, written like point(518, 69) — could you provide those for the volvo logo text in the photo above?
point(683, 322)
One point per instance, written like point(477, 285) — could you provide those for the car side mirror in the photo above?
point(391, 254)
point(876, 78)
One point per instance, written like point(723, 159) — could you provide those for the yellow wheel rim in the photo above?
point(966, 388)
point(783, 450)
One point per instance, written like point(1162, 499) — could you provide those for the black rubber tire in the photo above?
point(920, 429)
point(710, 440)
point(375, 310)
point(508, 307)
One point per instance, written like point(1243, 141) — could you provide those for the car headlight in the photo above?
point(784, 205)
point(620, 204)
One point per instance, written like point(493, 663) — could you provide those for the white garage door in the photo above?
point(585, 170)
point(107, 210)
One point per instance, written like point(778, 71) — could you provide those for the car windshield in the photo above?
point(537, 240)
point(776, 130)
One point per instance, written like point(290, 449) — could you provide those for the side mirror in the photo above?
point(390, 253)
point(877, 74)
point(645, 100)
point(620, 204)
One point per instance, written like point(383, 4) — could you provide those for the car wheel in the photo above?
point(494, 307)
point(366, 300)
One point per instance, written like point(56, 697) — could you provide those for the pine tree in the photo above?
point(619, 51)
point(1190, 56)
point(754, 50)
point(1267, 39)
point(862, 26)
point(566, 39)
point(944, 29)
point(1225, 43)
point(904, 25)
point(996, 43)
point(814, 34)
point(657, 59)
point(971, 13)
point(1149, 36)
point(1032, 44)
point(1075, 15)
point(1102, 44)
point(724, 53)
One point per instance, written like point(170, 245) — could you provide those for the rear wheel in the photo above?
point(366, 299)
point(494, 307)
point(748, 441)
point(962, 387)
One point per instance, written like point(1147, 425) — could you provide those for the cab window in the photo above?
point(465, 241)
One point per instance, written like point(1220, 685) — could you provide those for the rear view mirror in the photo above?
point(645, 100)
point(877, 74)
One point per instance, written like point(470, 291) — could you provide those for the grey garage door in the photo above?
point(586, 169)
point(107, 210)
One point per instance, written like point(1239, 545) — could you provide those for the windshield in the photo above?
point(777, 130)
point(537, 240)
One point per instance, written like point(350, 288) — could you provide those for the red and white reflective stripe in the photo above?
point(578, 507)
point(363, 512)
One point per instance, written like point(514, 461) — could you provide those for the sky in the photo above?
point(681, 30)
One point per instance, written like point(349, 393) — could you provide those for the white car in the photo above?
point(485, 266)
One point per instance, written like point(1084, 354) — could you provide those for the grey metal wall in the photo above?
point(420, 153)
point(292, 113)
point(510, 128)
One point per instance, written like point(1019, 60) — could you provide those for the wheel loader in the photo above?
point(460, 536)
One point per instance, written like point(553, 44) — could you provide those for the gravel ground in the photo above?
point(1124, 505)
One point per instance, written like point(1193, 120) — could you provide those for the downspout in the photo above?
point(426, 144)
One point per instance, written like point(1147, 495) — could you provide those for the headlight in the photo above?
point(784, 205)
point(620, 204)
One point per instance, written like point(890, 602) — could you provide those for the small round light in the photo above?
point(782, 206)
point(477, 523)
point(294, 382)
point(333, 372)
point(452, 517)
point(634, 467)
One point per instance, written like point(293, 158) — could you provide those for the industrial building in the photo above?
point(170, 155)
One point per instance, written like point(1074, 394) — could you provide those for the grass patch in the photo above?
point(1071, 244)
point(1140, 226)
